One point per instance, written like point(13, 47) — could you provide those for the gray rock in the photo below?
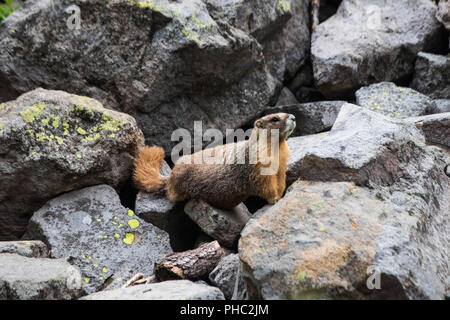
point(363, 146)
point(53, 142)
point(393, 101)
point(367, 42)
point(440, 106)
point(431, 75)
point(154, 209)
point(175, 62)
point(286, 98)
point(30, 249)
point(435, 127)
point(443, 13)
point(329, 240)
point(167, 290)
point(224, 277)
point(104, 239)
point(281, 27)
point(311, 117)
point(224, 226)
point(23, 278)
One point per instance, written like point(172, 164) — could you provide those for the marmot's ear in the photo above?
point(258, 123)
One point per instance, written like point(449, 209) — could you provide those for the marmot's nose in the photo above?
point(292, 117)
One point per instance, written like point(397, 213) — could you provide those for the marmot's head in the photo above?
point(284, 122)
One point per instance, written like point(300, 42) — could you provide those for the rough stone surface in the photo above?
point(311, 117)
point(286, 98)
point(167, 63)
point(155, 209)
point(23, 278)
point(435, 127)
point(325, 240)
point(367, 42)
point(105, 240)
point(443, 13)
point(224, 277)
point(30, 249)
point(431, 75)
point(281, 27)
point(440, 106)
point(167, 290)
point(53, 142)
point(224, 226)
point(393, 101)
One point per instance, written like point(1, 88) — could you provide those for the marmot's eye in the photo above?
point(274, 119)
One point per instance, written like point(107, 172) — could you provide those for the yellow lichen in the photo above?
point(284, 5)
point(32, 113)
point(81, 131)
point(129, 238)
point(130, 212)
point(133, 223)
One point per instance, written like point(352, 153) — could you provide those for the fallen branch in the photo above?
point(191, 265)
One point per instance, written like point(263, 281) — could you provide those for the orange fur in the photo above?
point(146, 170)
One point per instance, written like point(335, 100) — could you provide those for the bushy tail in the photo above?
point(146, 170)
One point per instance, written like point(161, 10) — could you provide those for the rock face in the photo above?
point(224, 277)
point(167, 290)
point(441, 106)
point(155, 209)
point(224, 226)
point(53, 142)
point(358, 46)
point(281, 27)
point(393, 101)
point(286, 98)
point(443, 13)
point(311, 117)
point(435, 127)
point(23, 278)
point(174, 61)
point(431, 75)
point(124, 244)
point(30, 249)
point(311, 235)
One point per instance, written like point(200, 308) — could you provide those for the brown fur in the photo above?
point(221, 185)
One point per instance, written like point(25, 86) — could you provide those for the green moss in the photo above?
point(33, 112)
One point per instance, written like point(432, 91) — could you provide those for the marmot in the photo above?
point(222, 185)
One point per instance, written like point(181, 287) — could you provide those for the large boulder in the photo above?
point(365, 43)
point(435, 127)
point(281, 27)
point(393, 101)
point(53, 142)
point(227, 277)
point(443, 13)
point(23, 278)
point(166, 290)
point(313, 117)
point(333, 239)
point(431, 75)
point(168, 63)
point(223, 225)
point(30, 249)
point(108, 242)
